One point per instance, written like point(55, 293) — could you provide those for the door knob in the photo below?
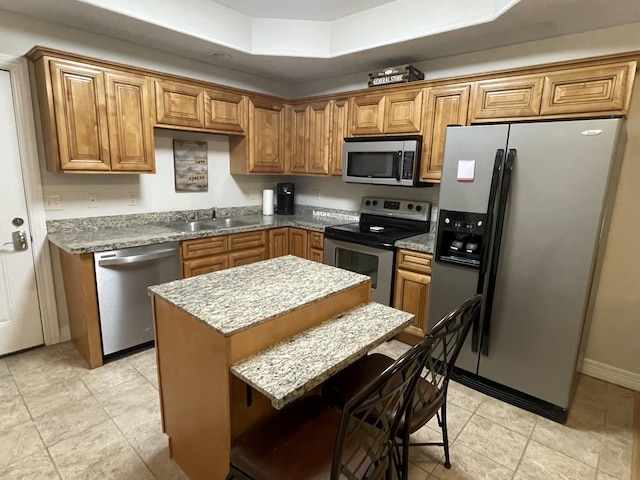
point(19, 240)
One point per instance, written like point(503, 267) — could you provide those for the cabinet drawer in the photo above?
point(204, 246)
point(316, 240)
point(199, 266)
point(245, 257)
point(240, 241)
point(415, 261)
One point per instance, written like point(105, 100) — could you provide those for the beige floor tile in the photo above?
point(469, 465)
point(605, 476)
point(543, 463)
point(591, 392)
point(392, 348)
point(60, 369)
point(117, 400)
point(507, 415)
point(143, 361)
point(13, 412)
point(615, 458)
point(494, 441)
point(75, 456)
point(416, 473)
point(155, 453)
point(141, 422)
point(457, 418)
point(51, 396)
point(8, 387)
point(4, 370)
point(586, 417)
point(152, 378)
point(464, 397)
point(69, 420)
point(123, 466)
point(34, 467)
point(109, 375)
point(581, 445)
point(36, 358)
point(19, 442)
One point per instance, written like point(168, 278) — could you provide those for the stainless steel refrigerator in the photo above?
point(521, 215)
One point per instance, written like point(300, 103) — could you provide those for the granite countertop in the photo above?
point(422, 243)
point(233, 300)
point(111, 233)
point(293, 367)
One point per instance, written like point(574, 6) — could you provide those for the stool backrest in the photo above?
point(448, 336)
point(370, 420)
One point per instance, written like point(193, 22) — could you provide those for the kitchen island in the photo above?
point(234, 345)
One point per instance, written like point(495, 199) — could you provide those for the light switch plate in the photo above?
point(52, 202)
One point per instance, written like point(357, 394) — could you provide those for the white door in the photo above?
point(20, 322)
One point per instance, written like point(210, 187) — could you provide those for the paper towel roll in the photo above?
point(267, 202)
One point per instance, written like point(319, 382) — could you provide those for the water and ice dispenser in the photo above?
point(461, 237)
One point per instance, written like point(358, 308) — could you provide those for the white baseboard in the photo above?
point(610, 374)
point(65, 334)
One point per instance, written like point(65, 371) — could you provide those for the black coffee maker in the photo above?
point(285, 193)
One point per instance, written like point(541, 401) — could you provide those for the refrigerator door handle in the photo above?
point(495, 255)
point(497, 167)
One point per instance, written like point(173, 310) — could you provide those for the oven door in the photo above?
point(377, 263)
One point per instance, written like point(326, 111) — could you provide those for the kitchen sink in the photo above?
point(200, 225)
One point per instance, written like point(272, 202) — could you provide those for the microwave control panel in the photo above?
point(408, 160)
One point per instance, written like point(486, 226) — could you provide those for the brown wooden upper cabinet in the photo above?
point(192, 107)
point(577, 92)
point(399, 112)
point(310, 144)
point(445, 105)
point(94, 120)
point(340, 130)
point(262, 149)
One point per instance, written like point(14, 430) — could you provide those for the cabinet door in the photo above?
point(506, 98)
point(411, 294)
point(340, 131)
point(199, 266)
point(403, 112)
point(367, 115)
point(299, 132)
point(604, 88)
point(81, 117)
point(316, 246)
point(316, 255)
point(245, 257)
point(445, 106)
point(225, 112)
point(298, 242)
point(179, 104)
point(130, 122)
point(278, 242)
point(266, 137)
point(319, 138)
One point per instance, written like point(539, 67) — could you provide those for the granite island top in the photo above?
point(293, 367)
point(233, 300)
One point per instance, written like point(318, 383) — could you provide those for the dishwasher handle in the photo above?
point(145, 257)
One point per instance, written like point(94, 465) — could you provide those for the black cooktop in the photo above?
point(371, 234)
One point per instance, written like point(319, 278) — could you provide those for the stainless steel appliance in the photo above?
point(382, 160)
point(122, 278)
point(285, 198)
point(367, 246)
point(521, 214)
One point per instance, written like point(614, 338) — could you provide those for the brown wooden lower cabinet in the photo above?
point(298, 242)
point(411, 291)
point(278, 242)
point(245, 257)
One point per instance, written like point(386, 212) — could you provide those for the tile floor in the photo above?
point(59, 420)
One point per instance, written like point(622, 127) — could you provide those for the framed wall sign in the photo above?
point(191, 166)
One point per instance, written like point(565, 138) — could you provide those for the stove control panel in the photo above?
point(396, 208)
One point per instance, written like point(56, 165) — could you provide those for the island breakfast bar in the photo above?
point(234, 345)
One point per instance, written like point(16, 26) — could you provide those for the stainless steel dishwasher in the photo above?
point(122, 278)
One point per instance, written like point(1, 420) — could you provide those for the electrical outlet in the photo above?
point(133, 198)
point(52, 202)
point(254, 194)
point(93, 200)
point(316, 193)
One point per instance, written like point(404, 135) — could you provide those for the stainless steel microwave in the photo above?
point(382, 160)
